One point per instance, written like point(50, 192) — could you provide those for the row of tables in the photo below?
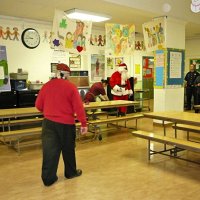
point(175, 117)
point(32, 111)
point(172, 116)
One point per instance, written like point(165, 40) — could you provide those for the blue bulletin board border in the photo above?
point(175, 81)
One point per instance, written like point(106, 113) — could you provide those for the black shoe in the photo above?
point(49, 183)
point(78, 173)
point(121, 114)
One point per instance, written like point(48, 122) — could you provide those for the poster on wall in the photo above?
point(97, 67)
point(196, 62)
point(154, 34)
point(120, 39)
point(148, 65)
point(70, 35)
point(175, 66)
point(4, 76)
point(110, 62)
point(59, 56)
point(74, 61)
point(159, 75)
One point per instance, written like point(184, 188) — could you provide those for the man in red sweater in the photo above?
point(59, 101)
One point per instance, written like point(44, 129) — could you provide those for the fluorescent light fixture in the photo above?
point(86, 16)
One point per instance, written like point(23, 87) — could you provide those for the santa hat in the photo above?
point(63, 67)
point(122, 67)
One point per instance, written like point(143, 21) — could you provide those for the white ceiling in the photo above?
point(122, 11)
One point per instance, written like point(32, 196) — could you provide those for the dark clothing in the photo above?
point(89, 97)
point(57, 138)
point(190, 88)
point(197, 81)
point(191, 91)
point(190, 78)
point(96, 90)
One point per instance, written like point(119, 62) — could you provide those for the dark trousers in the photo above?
point(57, 138)
point(191, 91)
point(198, 95)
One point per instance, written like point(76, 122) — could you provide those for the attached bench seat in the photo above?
point(115, 119)
point(13, 138)
point(177, 143)
point(15, 122)
point(95, 123)
point(17, 135)
point(188, 128)
point(93, 115)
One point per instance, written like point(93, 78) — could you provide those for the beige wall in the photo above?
point(192, 50)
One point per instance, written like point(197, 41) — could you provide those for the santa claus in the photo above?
point(120, 86)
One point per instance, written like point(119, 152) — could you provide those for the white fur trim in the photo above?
point(121, 69)
point(119, 93)
point(116, 88)
point(130, 91)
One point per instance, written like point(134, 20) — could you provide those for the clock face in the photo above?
point(30, 38)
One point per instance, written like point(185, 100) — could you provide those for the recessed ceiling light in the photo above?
point(86, 16)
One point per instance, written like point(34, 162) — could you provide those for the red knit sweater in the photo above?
point(59, 101)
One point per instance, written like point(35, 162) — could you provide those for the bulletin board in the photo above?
point(159, 75)
point(196, 62)
point(4, 75)
point(148, 65)
point(175, 66)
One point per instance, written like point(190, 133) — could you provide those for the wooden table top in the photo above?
point(19, 112)
point(176, 117)
point(109, 104)
point(141, 90)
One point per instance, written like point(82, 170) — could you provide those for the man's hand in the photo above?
point(84, 130)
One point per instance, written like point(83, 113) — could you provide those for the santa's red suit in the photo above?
point(120, 85)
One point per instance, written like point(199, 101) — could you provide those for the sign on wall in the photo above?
point(4, 76)
point(97, 67)
point(196, 62)
point(175, 66)
point(159, 79)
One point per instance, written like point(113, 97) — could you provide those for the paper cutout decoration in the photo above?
point(70, 35)
point(154, 34)
point(79, 48)
point(120, 39)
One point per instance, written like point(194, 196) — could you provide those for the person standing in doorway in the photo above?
point(59, 101)
point(190, 86)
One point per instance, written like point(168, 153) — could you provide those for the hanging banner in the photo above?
point(120, 39)
point(4, 76)
point(70, 35)
point(154, 34)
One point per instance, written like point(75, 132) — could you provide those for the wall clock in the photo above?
point(30, 38)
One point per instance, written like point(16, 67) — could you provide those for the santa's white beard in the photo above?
point(124, 77)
